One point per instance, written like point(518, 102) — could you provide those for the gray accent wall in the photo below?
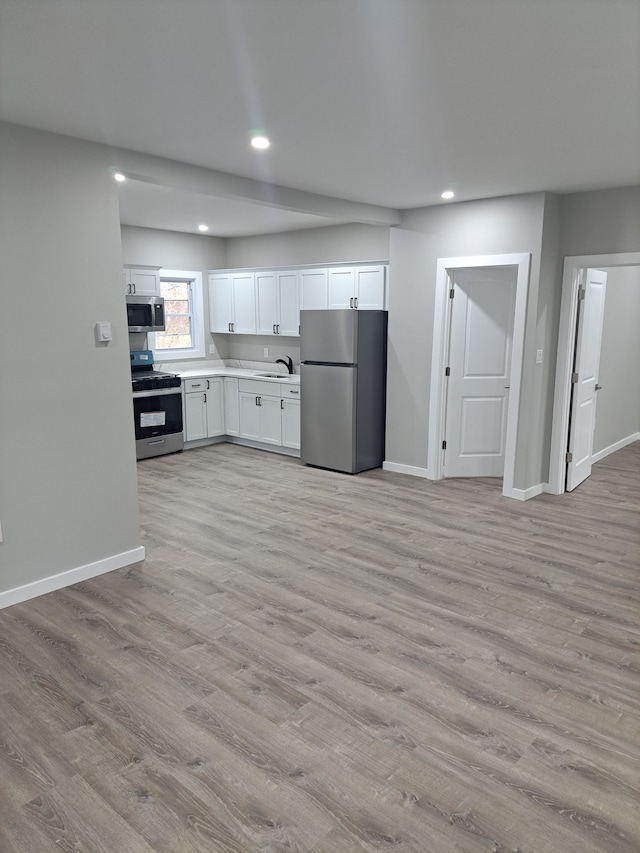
point(176, 250)
point(494, 226)
point(348, 243)
point(618, 407)
point(68, 486)
point(601, 222)
point(172, 250)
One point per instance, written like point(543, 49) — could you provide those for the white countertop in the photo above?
point(239, 372)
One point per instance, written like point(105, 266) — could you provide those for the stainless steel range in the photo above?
point(157, 407)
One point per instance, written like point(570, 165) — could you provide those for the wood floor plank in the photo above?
point(311, 662)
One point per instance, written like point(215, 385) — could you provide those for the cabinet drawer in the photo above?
point(193, 385)
point(292, 391)
point(257, 386)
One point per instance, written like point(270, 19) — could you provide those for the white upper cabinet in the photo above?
point(220, 304)
point(288, 302)
point(244, 303)
point(232, 303)
point(141, 281)
point(313, 289)
point(357, 287)
point(266, 303)
point(370, 288)
point(342, 284)
point(277, 303)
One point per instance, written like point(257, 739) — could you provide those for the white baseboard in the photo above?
point(525, 494)
point(397, 468)
point(618, 445)
point(81, 573)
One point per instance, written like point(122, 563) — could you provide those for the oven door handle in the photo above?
point(157, 392)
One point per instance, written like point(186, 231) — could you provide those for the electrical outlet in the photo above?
point(266, 352)
point(212, 349)
point(538, 356)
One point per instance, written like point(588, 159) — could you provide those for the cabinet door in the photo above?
point(249, 415)
point(231, 409)
point(244, 303)
point(313, 289)
point(270, 420)
point(289, 303)
point(341, 287)
point(215, 407)
point(195, 416)
point(266, 303)
point(291, 423)
point(369, 288)
point(145, 282)
point(220, 306)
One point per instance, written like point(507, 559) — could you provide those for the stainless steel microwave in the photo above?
point(145, 313)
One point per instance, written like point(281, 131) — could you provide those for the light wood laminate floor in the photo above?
point(309, 661)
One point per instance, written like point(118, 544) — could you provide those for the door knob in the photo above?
point(598, 387)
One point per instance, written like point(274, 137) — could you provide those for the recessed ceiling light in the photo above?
point(447, 194)
point(203, 227)
point(260, 142)
point(119, 177)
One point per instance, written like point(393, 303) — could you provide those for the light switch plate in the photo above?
point(103, 331)
point(538, 356)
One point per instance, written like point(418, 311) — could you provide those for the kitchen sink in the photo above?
point(284, 377)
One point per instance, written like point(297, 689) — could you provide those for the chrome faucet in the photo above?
point(288, 363)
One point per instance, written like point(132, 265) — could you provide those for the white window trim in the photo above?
point(199, 348)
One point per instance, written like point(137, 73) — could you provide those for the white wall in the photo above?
point(68, 491)
point(618, 407)
point(494, 226)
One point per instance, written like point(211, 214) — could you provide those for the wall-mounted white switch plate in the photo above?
point(212, 349)
point(266, 352)
point(103, 331)
point(0, 532)
point(538, 356)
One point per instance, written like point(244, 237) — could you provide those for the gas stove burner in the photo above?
point(150, 380)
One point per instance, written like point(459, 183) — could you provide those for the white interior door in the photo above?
point(482, 317)
point(585, 387)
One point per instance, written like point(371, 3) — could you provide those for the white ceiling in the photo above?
point(387, 102)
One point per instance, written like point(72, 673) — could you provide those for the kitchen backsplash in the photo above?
point(244, 351)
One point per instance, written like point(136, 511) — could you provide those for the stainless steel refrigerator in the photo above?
point(343, 372)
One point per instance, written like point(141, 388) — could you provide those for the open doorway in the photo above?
point(493, 289)
point(596, 444)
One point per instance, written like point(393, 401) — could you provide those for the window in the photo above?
point(183, 336)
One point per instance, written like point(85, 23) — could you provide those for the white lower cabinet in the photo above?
point(231, 407)
point(251, 409)
point(260, 418)
point(203, 408)
point(290, 423)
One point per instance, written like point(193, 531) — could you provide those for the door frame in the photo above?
point(439, 354)
point(574, 266)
